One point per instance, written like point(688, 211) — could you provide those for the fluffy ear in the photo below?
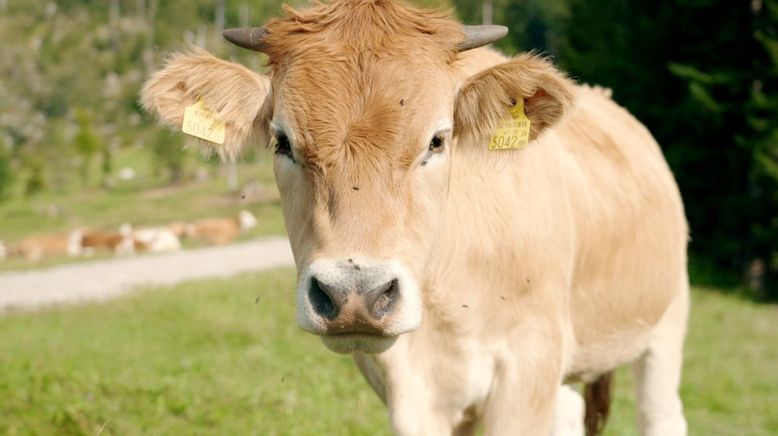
point(240, 97)
point(486, 98)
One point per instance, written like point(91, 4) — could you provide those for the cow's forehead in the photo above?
point(381, 27)
point(361, 104)
point(361, 79)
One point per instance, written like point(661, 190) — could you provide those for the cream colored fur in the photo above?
point(536, 267)
point(236, 94)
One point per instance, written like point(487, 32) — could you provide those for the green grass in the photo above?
point(201, 358)
point(730, 381)
point(206, 358)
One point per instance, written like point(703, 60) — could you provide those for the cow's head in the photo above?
point(362, 106)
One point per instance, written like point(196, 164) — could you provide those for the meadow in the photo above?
point(225, 357)
point(146, 200)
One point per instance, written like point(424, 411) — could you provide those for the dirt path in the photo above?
point(101, 280)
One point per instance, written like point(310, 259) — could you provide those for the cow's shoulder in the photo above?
point(597, 128)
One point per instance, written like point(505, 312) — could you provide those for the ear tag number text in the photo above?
point(202, 122)
point(513, 132)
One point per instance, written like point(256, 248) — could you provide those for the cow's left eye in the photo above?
point(437, 144)
point(283, 147)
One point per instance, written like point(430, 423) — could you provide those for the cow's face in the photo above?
point(362, 109)
point(362, 157)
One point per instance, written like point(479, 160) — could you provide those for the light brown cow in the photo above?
point(35, 248)
point(222, 230)
point(469, 284)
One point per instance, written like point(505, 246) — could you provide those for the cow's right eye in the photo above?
point(282, 145)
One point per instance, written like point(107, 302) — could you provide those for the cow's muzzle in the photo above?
point(351, 310)
point(357, 305)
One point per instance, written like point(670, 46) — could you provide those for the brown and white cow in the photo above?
point(117, 242)
point(469, 284)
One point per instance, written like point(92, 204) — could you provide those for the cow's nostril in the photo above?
point(322, 302)
point(382, 299)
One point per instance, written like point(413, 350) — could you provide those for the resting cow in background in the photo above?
point(158, 239)
point(35, 248)
point(222, 230)
point(469, 284)
point(117, 242)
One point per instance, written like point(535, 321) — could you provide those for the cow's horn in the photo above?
point(247, 37)
point(477, 36)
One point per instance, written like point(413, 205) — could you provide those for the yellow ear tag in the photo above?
point(512, 132)
point(204, 123)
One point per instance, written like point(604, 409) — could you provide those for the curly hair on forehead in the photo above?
point(347, 26)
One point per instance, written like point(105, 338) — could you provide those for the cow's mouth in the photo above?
point(346, 343)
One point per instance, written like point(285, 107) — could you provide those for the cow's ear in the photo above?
point(486, 98)
point(239, 97)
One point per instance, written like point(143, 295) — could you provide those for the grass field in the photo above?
point(225, 357)
point(146, 200)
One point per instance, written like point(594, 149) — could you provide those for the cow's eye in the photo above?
point(437, 143)
point(282, 145)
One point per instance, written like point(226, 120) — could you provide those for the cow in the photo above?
point(222, 230)
point(119, 242)
point(35, 248)
point(469, 284)
point(159, 239)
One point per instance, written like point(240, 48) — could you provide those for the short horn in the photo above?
point(251, 38)
point(477, 36)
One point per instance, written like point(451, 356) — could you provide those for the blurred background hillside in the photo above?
point(76, 149)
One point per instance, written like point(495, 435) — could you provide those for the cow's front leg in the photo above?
point(420, 420)
point(523, 396)
point(424, 394)
point(419, 408)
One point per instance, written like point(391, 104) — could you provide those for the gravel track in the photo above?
point(105, 279)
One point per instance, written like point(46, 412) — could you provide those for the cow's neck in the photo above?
point(483, 262)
